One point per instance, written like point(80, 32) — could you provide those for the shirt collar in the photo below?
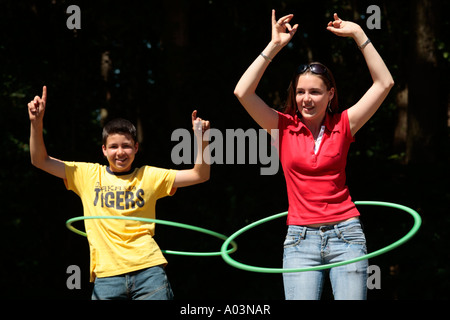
point(108, 169)
point(298, 125)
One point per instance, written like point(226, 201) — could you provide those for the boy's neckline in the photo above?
point(108, 169)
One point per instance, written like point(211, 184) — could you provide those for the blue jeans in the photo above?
point(145, 284)
point(307, 247)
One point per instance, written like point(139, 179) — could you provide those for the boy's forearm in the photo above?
point(39, 157)
point(202, 161)
point(38, 152)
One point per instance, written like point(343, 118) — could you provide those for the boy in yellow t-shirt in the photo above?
point(126, 262)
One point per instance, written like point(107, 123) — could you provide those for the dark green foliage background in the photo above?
point(169, 58)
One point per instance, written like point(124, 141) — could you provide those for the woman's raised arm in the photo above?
point(265, 116)
point(369, 103)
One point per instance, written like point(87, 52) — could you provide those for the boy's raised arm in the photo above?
point(38, 152)
point(201, 170)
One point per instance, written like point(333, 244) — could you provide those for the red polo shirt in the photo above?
point(316, 187)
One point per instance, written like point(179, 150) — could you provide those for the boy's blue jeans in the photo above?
point(145, 284)
point(307, 247)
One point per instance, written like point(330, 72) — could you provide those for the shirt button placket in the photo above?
point(314, 160)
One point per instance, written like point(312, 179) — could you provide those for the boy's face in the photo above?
point(120, 150)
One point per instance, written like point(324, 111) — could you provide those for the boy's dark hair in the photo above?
point(121, 126)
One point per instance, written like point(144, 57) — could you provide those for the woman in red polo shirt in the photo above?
point(314, 138)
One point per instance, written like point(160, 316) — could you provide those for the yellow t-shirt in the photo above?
point(120, 246)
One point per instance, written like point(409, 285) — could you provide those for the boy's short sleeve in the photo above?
point(75, 173)
point(162, 180)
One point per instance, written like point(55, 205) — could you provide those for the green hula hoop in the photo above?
point(409, 235)
point(168, 223)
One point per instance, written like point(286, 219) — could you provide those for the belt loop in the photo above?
point(338, 232)
point(303, 234)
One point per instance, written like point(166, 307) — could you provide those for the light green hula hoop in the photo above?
point(409, 235)
point(168, 223)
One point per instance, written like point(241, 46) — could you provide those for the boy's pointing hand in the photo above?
point(198, 124)
point(36, 107)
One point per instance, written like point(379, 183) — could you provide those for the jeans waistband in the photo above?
point(324, 228)
point(333, 226)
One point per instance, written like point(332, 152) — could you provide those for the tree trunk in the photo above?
point(105, 70)
point(427, 108)
point(401, 128)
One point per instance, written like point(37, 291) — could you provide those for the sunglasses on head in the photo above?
point(315, 68)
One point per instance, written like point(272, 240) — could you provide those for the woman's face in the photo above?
point(312, 97)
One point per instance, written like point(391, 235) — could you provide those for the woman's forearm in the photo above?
point(245, 90)
point(378, 70)
point(252, 76)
